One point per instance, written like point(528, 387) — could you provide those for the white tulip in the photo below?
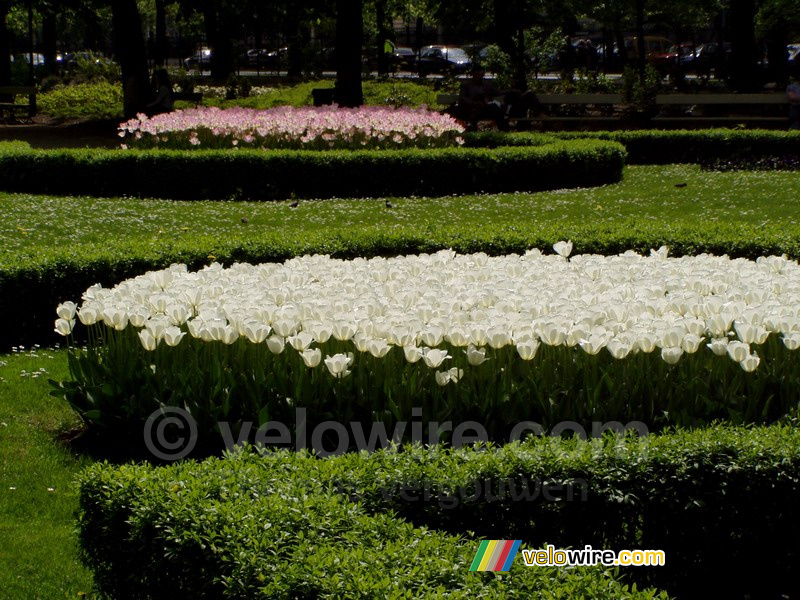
point(750, 363)
point(475, 356)
point(275, 344)
point(301, 341)
point(718, 346)
point(434, 357)
point(178, 313)
point(378, 348)
point(148, 341)
point(311, 358)
point(412, 353)
point(432, 336)
point(791, 340)
point(647, 342)
point(116, 318)
point(173, 336)
point(671, 355)
point(338, 365)
point(738, 351)
point(594, 344)
point(64, 326)
point(442, 378)
point(88, 315)
point(478, 336)
point(256, 331)
point(457, 338)
point(343, 330)
point(527, 349)
point(745, 331)
point(691, 343)
point(66, 310)
point(618, 349)
point(563, 248)
point(552, 334)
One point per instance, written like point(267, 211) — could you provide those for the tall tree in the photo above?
point(131, 52)
point(741, 18)
point(349, 34)
point(5, 44)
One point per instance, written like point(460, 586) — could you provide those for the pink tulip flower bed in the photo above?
point(306, 128)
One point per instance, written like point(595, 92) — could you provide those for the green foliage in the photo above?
point(710, 499)
point(640, 91)
point(499, 63)
point(397, 93)
point(267, 175)
point(95, 68)
point(93, 100)
point(279, 526)
point(7, 147)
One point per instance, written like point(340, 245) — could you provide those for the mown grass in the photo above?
point(757, 201)
point(38, 550)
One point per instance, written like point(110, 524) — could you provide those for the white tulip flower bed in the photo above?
point(535, 336)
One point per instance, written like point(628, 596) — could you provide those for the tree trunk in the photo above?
point(160, 57)
point(382, 36)
point(743, 45)
point(641, 49)
point(217, 25)
point(777, 56)
point(130, 50)
point(49, 41)
point(5, 48)
point(348, 53)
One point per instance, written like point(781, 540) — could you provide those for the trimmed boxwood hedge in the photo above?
point(278, 527)
point(269, 175)
point(720, 502)
point(647, 147)
point(31, 289)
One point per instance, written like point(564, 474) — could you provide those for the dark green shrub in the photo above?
point(265, 175)
point(279, 527)
point(720, 502)
point(675, 146)
point(93, 100)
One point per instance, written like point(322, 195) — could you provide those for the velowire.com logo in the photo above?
point(495, 555)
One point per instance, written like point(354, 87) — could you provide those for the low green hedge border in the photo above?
point(647, 147)
point(33, 287)
point(269, 175)
point(720, 502)
point(247, 527)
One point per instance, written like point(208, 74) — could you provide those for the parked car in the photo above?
point(706, 57)
point(793, 55)
point(404, 58)
point(263, 58)
point(200, 59)
point(443, 59)
point(656, 48)
point(38, 59)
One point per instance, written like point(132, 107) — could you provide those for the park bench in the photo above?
point(564, 108)
point(8, 104)
point(705, 109)
point(192, 97)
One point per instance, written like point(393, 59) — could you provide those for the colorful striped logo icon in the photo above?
point(495, 555)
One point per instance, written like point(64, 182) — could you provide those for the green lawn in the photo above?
point(38, 551)
point(647, 197)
